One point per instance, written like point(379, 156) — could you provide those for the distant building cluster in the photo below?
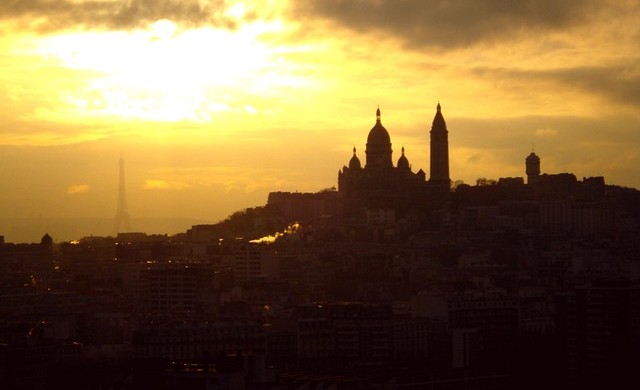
point(383, 195)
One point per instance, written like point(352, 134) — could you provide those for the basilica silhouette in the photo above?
point(381, 185)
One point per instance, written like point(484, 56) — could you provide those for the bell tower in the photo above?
point(439, 176)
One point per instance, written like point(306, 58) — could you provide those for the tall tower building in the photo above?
point(439, 175)
point(533, 169)
point(122, 214)
point(378, 146)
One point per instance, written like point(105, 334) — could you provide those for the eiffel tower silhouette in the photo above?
point(122, 214)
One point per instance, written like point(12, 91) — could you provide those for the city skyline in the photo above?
point(216, 104)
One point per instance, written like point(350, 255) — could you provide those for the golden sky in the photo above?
point(214, 104)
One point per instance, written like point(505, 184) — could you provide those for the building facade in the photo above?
point(380, 185)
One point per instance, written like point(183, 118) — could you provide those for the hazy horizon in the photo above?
point(31, 230)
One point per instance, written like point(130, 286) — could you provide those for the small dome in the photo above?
point(533, 158)
point(46, 240)
point(354, 163)
point(403, 163)
point(378, 136)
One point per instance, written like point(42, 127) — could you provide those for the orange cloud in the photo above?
point(77, 189)
point(548, 132)
point(152, 184)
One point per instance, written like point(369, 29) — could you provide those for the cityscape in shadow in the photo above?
point(395, 279)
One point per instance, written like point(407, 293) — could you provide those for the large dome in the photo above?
point(378, 146)
point(378, 136)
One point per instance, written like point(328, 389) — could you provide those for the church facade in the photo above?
point(381, 185)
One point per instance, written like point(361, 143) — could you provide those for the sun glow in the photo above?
point(164, 73)
point(164, 29)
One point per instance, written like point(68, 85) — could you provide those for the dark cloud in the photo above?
point(449, 23)
point(617, 83)
point(51, 15)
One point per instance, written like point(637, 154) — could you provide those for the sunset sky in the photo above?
point(214, 104)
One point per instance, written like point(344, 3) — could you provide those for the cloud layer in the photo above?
point(51, 15)
point(450, 24)
point(619, 83)
point(559, 43)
